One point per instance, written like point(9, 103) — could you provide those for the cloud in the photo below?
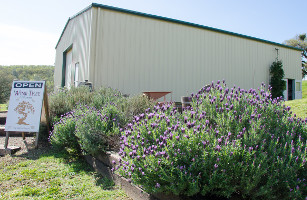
point(23, 46)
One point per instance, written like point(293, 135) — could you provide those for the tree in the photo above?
point(24, 73)
point(5, 85)
point(277, 83)
point(300, 41)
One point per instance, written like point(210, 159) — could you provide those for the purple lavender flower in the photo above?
point(293, 150)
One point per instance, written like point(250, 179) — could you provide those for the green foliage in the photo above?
point(230, 142)
point(304, 89)
point(300, 41)
point(63, 134)
point(86, 129)
point(299, 106)
point(5, 85)
point(106, 95)
point(48, 173)
point(96, 127)
point(3, 107)
point(25, 73)
point(277, 83)
point(89, 121)
point(136, 105)
point(63, 101)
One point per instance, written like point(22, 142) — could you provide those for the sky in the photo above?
point(30, 29)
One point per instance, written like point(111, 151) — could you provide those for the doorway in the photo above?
point(290, 86)
point(67, 76)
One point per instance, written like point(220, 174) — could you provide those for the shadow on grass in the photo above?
point(75, 162)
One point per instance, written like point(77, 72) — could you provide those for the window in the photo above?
point(298, 86)
point(76, 78)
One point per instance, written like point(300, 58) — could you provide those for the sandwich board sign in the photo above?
point(26, 107)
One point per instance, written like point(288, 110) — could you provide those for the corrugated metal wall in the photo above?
point(76, 35)
point(135, 54)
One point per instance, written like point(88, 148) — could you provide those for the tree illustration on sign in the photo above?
point(24, 108)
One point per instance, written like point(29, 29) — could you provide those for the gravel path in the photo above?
point(18, 141)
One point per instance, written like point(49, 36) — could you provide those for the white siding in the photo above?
point(76, 34)
point(136, 54)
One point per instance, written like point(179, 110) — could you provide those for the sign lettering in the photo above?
point(25, 106)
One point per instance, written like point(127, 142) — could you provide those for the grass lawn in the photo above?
point(299, 106)
point(3, 107)
point(47, 174)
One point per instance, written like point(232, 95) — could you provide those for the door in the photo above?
point(68, 69)
point(285, 93)
point(291, 89)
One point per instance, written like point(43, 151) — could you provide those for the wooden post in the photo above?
point(6, 140)
point(46, 107)
point(23, 135)
point(36, 140)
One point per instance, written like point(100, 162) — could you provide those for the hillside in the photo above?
point(299, 107)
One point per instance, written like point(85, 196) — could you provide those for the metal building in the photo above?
point(137, 52)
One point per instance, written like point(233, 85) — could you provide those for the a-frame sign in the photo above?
point(28, 106)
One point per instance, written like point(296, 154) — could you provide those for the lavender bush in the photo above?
point(86, 129)
point(230, 142)
point(96, 127)
point(106, 95)
point(63, 134)
point(63, 101)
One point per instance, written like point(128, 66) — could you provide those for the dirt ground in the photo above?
point(27, 148)
point(18, 141)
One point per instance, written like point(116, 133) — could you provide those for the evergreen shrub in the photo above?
point(277, 83)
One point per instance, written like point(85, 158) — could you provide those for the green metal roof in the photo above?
point(174, 21)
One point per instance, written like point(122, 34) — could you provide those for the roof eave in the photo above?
point(174, 21)
point(70, 18)
point(191, 24)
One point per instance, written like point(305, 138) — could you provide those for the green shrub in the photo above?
point(276, 81)
point(230, 142)
point(63, 101)
point(104, 96)
point(96, 127)
point(86, 129)
point(63, 134)
point(136, 105)
point(5, 85)
point(93, 118)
